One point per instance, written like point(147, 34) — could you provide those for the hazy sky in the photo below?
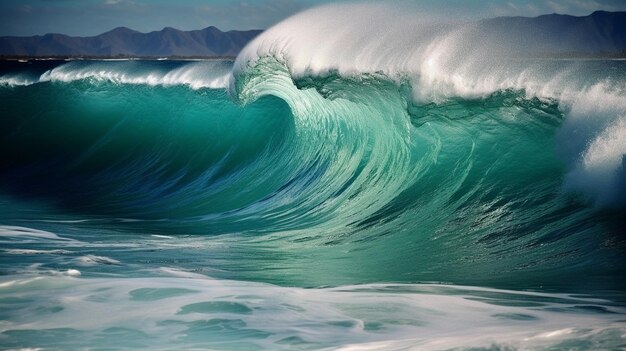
point(91, 17)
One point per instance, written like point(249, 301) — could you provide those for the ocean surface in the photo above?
point(360, 193)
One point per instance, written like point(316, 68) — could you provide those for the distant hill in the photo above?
point(598, 34)
point(123, 41)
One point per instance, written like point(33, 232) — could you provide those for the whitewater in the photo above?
point(429, 186)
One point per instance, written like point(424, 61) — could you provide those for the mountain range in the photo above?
point(123, 41)
point(598, 34)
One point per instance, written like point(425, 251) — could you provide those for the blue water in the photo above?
point(286, 201)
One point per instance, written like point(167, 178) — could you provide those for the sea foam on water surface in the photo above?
point(186, 312)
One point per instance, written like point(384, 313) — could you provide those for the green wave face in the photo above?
point(348, 175)
point(466, 190)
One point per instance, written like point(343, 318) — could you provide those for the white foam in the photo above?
point(179, 273)
point(196, 75)
point(592, 141)
point(365, 317)
point(93, 260)
point(441, 59)
point(24, 233)
point(599, 171)
point(73, 273)
point(16, 80)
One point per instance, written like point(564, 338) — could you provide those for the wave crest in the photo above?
point(196, 75)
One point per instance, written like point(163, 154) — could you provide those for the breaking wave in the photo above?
point(423, 133)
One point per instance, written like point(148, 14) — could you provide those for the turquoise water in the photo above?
point(281, 202)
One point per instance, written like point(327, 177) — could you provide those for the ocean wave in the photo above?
point(460, 166)
point(194, 74)
point(443, 61)
point(13, 80)
point(270, 202)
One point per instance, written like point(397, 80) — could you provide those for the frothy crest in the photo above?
point(196, 75)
